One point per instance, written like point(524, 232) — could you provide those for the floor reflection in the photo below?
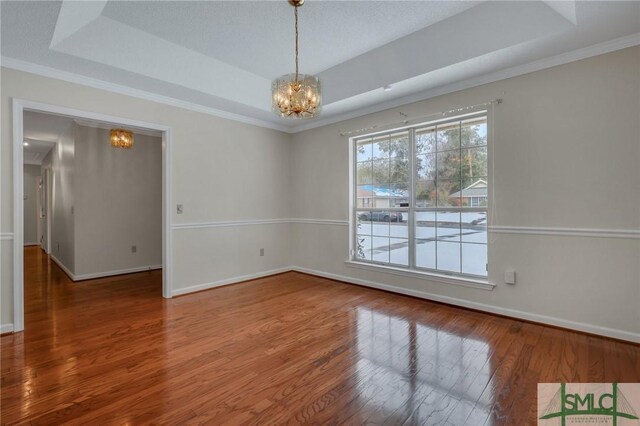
point(414, 373)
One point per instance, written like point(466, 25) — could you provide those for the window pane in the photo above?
point(380, 171)
point(400, 194)
point(474, 162)
point(380, 224)
point(381, 147)
point(380, 249)
point(399, 145)
point(448, 193)
point(474, 259)
point(398, 225)
point(425, 194)
point(365, 197)
point(448, 226)
point(474, 227)
point(364, 173)
point(425, 240)
point(363, 223)
point(425, 140)
point(448, 165)
point(474, 132)
point(474, 192)
point(399, 251)
point(448, 136)
point(364, 150)
point(399, 170)
point(363, 247)
point(448, 254)
point(426, 167)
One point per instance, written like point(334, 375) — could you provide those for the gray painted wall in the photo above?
point(62, 227)
point(31, 216)
point(118, 196)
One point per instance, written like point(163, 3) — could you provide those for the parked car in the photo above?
point(381, 216)
point(478, 221)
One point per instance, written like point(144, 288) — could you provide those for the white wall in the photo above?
point(63, 198)
point(223, 171)
point(31, 179)
point(566, 150)
point(118, 195)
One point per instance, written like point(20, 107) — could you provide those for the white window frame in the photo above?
point(411, 270)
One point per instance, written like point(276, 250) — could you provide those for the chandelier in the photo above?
point(121, 138)
point(296, 95)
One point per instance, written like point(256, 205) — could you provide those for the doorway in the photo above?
point(19, 108)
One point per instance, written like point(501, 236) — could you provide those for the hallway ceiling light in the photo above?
point(121, 138)
point(296, 95)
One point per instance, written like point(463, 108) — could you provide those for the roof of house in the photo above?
point(380, 191)
point(476, 189)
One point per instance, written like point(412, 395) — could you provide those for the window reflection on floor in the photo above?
point(412, 372)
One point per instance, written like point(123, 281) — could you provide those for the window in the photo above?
point(421, 197)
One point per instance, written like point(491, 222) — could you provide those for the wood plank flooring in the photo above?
point(291, 348)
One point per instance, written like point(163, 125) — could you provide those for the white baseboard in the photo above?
point(6, 328)
point(543, 319)
point(31, 244)
point(63, 267)
point(82, 277)
point(229, 281)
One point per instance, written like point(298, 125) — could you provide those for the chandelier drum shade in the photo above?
point(121, 138)
point(296, 95)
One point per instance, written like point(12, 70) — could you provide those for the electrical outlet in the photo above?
point(510, 276)
point(179, 209)
point(261, 252)
point(134, 249)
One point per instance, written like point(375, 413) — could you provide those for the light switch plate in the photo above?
point(179, 209)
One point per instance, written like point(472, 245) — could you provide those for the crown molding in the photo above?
point(44, 71)
point(552, 61)
point(563, 58)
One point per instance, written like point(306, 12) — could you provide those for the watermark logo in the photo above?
point(611, 404)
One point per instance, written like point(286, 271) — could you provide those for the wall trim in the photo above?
point(62, 266)
point(31, 244)
point(229, 223)
point(83, 277)
point(234, 223)
point(491, 309)
point(541, 64)
point(229, 281)
point(6, 328)
point(568, 232)
point(321, 222)
point(6, 236)
point(70, 77)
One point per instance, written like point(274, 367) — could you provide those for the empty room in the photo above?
point(323, 212)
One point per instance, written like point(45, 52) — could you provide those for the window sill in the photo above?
point(446, 279)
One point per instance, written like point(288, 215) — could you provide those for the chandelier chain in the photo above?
point(296, 15)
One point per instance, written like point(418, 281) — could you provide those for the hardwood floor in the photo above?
point(291, 348)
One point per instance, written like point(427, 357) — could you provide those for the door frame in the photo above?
point(19, 106)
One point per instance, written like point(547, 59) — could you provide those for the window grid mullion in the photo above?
point(412, 199)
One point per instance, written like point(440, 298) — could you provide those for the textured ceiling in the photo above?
point(258, 36)
point(221, 56)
